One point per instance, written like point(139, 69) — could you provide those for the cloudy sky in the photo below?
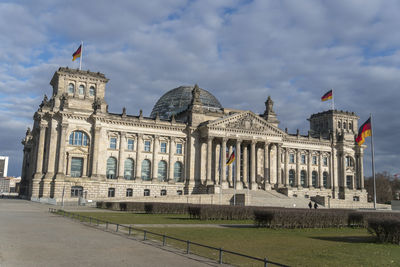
point(241, 51)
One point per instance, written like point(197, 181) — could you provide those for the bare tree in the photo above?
point(384, 193)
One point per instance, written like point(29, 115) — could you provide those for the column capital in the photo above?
point(239, 140)
point(122, 133)
point(43, 125)
point(225, 139)
point(210, 138)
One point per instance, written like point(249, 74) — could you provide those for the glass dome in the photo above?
point(178, 100)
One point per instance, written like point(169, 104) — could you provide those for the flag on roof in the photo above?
point(77, 53)
point(327, 96)
point(363, 132)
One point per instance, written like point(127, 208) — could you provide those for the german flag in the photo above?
point(327, 96)
point(363, 132)
point(231, 158)
point(77, 53)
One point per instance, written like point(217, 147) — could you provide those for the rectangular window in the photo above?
point(130, 144)
point(163, 148)
point(325, 161)
point(111, 192)
point(76, 167)
point(178, 148)
point(129, 192)
point(303, 159)
point(147, 146)
point(113, 143)
point(291, 158)
point(76, 191)
point(349, 181)
point(314, 160)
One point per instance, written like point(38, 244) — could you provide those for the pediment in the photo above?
point(245, 121)
point(78, 151)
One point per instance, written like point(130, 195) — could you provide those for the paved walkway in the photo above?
point(30, 236)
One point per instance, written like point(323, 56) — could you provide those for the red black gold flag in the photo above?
point(327, 96)
point(363, 132)
point(77, 53)
point(231, 158)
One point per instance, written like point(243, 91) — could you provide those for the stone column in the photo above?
point(286, 167)
point(138, 156)
point(278, 165)
point(61, 150)
point(224, 183)
point(239, 183)
point(253, 184)
point(122, 147)
point(39, 162)
point(308, 178)
point(230, 149)
point(267, 184)
point(298, 182)
point(217, 169)
point(343, 159)
point(155, 157)
point(209, 160)
point(320, 181)
point(361, 170)
point(52, 150)
point(171, 159)
point(244, 168)
point(95, 150)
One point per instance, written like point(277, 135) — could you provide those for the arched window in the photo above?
point(303, 175)
point(78, 138)
point(291, 177)
point(314, 177)
point(81, 89)
point(111, 168)
point(325, 179)
point(178, 172)
point(92, 91)
point(71, 88)
point(344, 125)
point(350, 126)
point(339, 124)
point(128, 169)
point(162, 171)
point(146, 164)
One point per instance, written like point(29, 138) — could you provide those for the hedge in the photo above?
point(386, 230)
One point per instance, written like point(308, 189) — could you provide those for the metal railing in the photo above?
point(129, 229)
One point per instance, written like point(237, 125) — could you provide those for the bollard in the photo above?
point(117, 227)
point(265, 262)
point(188, 247)
point(163, 240)
point(144, 235)
point(220, 255)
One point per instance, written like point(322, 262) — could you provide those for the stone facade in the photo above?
point(78, 148)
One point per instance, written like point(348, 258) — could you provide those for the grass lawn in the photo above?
point(141, 218)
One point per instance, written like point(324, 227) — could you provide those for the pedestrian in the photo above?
point(310, 205)
point(315, 205)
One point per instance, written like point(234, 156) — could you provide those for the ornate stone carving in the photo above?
point(247, 122)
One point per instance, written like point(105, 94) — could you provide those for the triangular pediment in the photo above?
point(245, 121)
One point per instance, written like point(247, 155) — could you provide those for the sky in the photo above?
point(240, 51)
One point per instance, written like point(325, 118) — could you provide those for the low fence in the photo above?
point(146, 233)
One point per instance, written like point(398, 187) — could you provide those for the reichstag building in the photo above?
point(76, 148)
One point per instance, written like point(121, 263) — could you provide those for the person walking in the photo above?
point(315, 205)
point(310, 205)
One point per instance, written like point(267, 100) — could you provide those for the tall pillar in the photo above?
point(238, 183)
point(122, 147)
point(224, 183)
point(61, 149)
point(319, 181)
point(138, 156)
point(298, 181)
point(244, 168)
point(361, 170)
point(308, 178)
point(217, 170)
point(230, 149)
point(267, 184)
point(171, 158)
point(286, 167)
point(278, 165)
point(39, 162)
point(51, 160)
point(95, 150)
point(209, 160)
point(253, 184)
point(334, 175)
point(155, 157)
point(343, 160)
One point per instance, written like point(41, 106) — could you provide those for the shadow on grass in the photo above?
point(347, 239)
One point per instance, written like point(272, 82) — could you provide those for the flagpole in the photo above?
point(373, 162)
point(80, 58)
point(333, 100)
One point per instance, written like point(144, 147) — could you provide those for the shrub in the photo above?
point(263, 218)
point(386, 230)
point(355, 219)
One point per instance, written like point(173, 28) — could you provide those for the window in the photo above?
point(356, 198)
point(163, 148)
point(71, 88)
point(113, 143)
point(81, 89)
point(178, 148)
point(178, 172)
point(303, 176)
point(147, 146)
point(314, 160)
point(350, 126)
point(92, 91)
point(146, 164)
point(78, 138)
point(325, 161)
point(111, 168)
point(349, 161)
point(128, 169)
point(349, 180)
point(303, 159)
point(291, 158)
point(76, 191)
point(325, 179)
point(314, 178)
point(130, 144)
point(111, 192)
point(339, 124)
point(344, 125)
point(163, 192)
point(76, 167)
point(162, 171)
point(129, 192)
point(146, 192)
point(291, 177)
point(179, 192)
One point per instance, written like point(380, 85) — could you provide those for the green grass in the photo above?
point(141, 218)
